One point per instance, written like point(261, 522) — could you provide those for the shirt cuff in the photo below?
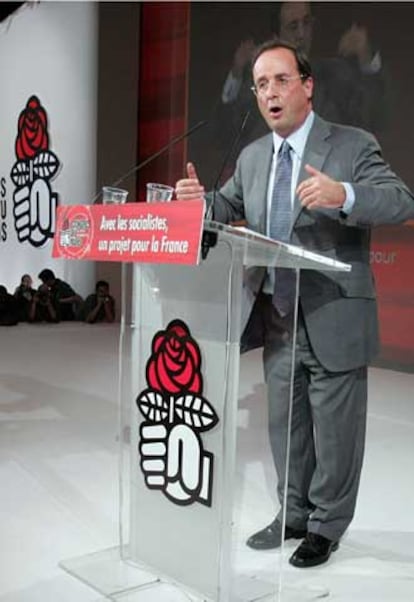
point(374, 66)
point(349, 198)
point(231, 89)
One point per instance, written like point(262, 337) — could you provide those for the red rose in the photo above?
point(32, 130)
point(174, 365)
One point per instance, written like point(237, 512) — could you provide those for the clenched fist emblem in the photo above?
point(34, 203)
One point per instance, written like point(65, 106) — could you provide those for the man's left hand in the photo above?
point(319, 190)
point(355, 43)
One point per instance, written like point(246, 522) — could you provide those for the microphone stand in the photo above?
point(209, 239)
point(154, 156)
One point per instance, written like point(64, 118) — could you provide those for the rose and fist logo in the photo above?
point(34, 203)
point(172, 456)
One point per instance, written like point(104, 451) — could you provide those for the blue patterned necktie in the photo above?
point(279, 228)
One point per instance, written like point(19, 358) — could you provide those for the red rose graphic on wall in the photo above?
point(34, 203)
point(32, 130)
point(172, 456)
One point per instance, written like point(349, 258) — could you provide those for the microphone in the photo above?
point(210, 238)
point(154, 156)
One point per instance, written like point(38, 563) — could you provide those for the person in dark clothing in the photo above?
point(64, 299)
point(9, 315)
point(24, 294)
point(100, 306)
point(41, 307)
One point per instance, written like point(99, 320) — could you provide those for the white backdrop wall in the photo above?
point(48, 50)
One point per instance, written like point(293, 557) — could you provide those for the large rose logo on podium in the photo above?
point(34, 203)
point(175, 413)
point(175, 362)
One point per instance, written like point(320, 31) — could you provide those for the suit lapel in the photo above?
point(316, 150)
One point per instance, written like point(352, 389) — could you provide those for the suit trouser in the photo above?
point(328, 424)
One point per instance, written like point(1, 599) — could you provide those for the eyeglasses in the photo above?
point(280, 82)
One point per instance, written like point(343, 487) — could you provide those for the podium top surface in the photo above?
point(260, 250)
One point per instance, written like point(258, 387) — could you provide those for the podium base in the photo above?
point(120, 580)
point(108, 573)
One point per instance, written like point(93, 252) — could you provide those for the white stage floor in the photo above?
point(59, 474)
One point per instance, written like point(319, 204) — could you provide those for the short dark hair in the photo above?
point(101, 283)
point(302, 61)
point(46, 274)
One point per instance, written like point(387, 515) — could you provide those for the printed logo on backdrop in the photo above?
point(34, 202)
point(173, 459)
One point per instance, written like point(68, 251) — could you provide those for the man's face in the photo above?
point(102, 291)
point(284, 99)
point(296, 24)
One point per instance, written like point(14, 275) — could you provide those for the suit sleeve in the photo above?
point(381, 197)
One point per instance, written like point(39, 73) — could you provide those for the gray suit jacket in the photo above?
point(339, 308)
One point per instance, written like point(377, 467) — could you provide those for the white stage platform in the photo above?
point(59, 473)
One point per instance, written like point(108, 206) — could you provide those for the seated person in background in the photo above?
point(24, 294)
point(64, 299)
point(9, 315)
point(100, 306)
point(41, 308)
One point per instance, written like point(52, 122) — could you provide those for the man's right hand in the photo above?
point(242, 57)
point(189, 188)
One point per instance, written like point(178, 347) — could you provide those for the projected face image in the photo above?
point(296, 24)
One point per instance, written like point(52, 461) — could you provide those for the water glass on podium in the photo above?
point(159, 193)
point(113, 196)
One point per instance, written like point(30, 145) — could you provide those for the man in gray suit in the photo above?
point(339, 188)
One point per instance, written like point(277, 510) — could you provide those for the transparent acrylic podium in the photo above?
point(184, 517)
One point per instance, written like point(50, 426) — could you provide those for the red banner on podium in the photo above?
point(143, 232)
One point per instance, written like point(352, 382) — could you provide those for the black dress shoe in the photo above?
point(271, 536)
point(314, 550)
